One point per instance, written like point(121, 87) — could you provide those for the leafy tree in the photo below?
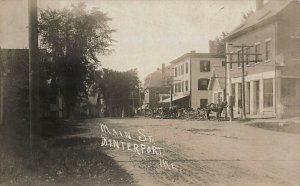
point(220, 43)
point(116, 88)
point(246, 14)
point(73, 38)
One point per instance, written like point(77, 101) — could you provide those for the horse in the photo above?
point(218, 108)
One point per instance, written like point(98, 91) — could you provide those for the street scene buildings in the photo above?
point(269, 48)
point(97, 92)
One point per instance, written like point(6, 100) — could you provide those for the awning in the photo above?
point(174, 98)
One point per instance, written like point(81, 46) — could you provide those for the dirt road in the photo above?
point(199, 152)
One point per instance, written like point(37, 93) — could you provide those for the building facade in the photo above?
point(191, 75)
point(272, 83)
point(156, 88)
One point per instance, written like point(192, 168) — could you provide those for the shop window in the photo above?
point(268, 93)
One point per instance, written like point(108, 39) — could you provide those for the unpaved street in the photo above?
point(201, 152)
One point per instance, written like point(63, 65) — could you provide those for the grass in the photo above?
point(60, 158)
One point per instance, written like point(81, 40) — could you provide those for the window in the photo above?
point(230, 59)
point(182, 86)
point(203, 103)
point(268, 93)
point(179, 70)
point(175, 88)
point(203, 84)
point(175, 71)
point(186, 85)
point(295, 48)
point(186, 68)
point(257, 52)
point(247, 52)
point(205, 66)
point(288, 87)
point(268, 52)
point(182, 69)
point(239, 58)
point(179, 87)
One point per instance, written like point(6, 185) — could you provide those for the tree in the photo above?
point(220, 43)
point(73, 38)
point(116, 88)
point(246, 14)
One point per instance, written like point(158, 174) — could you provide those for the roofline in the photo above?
point(267, 21)
point(201, 55)
point(250, 28)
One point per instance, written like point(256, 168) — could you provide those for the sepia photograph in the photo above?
point(149, 92)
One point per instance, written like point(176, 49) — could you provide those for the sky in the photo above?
point(149, 32)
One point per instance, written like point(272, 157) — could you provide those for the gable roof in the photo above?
point(199, 55)
point(156, 78)
point(217, 75)
point(265, 14)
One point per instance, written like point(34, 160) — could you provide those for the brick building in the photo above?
point(273, 85)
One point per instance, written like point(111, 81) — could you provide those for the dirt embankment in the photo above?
point(62, 156)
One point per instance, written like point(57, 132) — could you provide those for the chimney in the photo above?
point(259, 4)
point(212, 47)
point(163, 68)
point(193, 51)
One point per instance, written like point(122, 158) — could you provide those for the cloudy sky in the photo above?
point(149, 32)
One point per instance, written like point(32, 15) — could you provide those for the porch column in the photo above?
point(247, 97)
point(261, 96)
point(252, 98)
point(236, 96)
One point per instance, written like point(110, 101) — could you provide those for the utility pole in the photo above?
point(243, 86)
point(228, 87)
point(171, 93)
point(33, 69)
point(242, 47)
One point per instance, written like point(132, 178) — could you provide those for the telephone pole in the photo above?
point(228, 62)
point(33, 69)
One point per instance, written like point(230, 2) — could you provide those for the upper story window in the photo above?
point(204, 66)
point(240, 58)
point(186, 67)
point(268, 50)
point(182, 69)
point(186, 85)
point(247, 52)
point(179, 70)
point(257, 51)
point(230, 60)
point(175, 71)
point(295, 48)
point(203, 84)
